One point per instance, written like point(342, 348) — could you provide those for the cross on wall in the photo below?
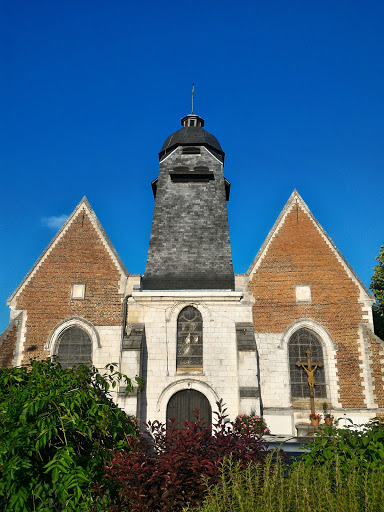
point(307, 366)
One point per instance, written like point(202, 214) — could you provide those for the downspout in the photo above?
point(258, 380)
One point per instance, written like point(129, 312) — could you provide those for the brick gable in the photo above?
point(81, 254)
point(298, 254)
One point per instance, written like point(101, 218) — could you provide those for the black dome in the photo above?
point(191, 136)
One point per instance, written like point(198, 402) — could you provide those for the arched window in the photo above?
point(74, 347)
point(300, 341)
point(189, 339)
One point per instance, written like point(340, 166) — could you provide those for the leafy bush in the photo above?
point(272, 487)
point(363, 445)
point(56, 429)
point(377, 286)
point(169, 470)
point(250, 425)
point(344, 470)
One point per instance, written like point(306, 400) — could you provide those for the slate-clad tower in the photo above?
point(189, 246)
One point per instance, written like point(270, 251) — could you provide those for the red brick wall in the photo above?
point(7, 346)
point(299, 255)
point(78, 257)
point(377, 363)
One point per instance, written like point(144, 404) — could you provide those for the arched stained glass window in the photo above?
point(299, 342)
point(74, 347)
point(189, 339)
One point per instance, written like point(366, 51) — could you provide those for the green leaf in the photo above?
point(55, 434)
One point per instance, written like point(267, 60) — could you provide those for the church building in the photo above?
point(191, 328)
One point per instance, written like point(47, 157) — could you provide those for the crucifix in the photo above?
point(307, 366)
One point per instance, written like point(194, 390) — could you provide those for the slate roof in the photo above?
point(189, 136)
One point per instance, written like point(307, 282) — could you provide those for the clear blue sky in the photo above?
point(90, 89)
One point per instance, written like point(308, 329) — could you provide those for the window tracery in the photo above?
point(189, 353)
point(299, 342)
point(74, 347)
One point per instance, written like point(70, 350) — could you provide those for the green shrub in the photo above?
point(56, 429)
point(343, 471)
point(272, 487)
point(363, 445)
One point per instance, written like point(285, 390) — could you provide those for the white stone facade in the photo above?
point(226, 370)
point(220, 377)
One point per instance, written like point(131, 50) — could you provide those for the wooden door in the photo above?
point(182, 405)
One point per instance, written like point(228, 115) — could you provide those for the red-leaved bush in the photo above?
point(169, 468)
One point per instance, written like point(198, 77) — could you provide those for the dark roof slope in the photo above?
point(189, 136)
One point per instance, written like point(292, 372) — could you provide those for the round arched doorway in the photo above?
point(181, 407)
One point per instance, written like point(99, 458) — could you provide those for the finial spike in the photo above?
point(193, 94)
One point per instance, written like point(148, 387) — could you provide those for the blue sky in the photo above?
point(90, 90)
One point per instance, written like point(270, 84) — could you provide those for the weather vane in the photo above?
point(193, 94)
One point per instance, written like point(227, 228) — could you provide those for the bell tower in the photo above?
point(189, 248)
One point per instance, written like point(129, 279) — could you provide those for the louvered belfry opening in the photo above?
point(299, 342)
point(189, 339)
point(75, 347)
